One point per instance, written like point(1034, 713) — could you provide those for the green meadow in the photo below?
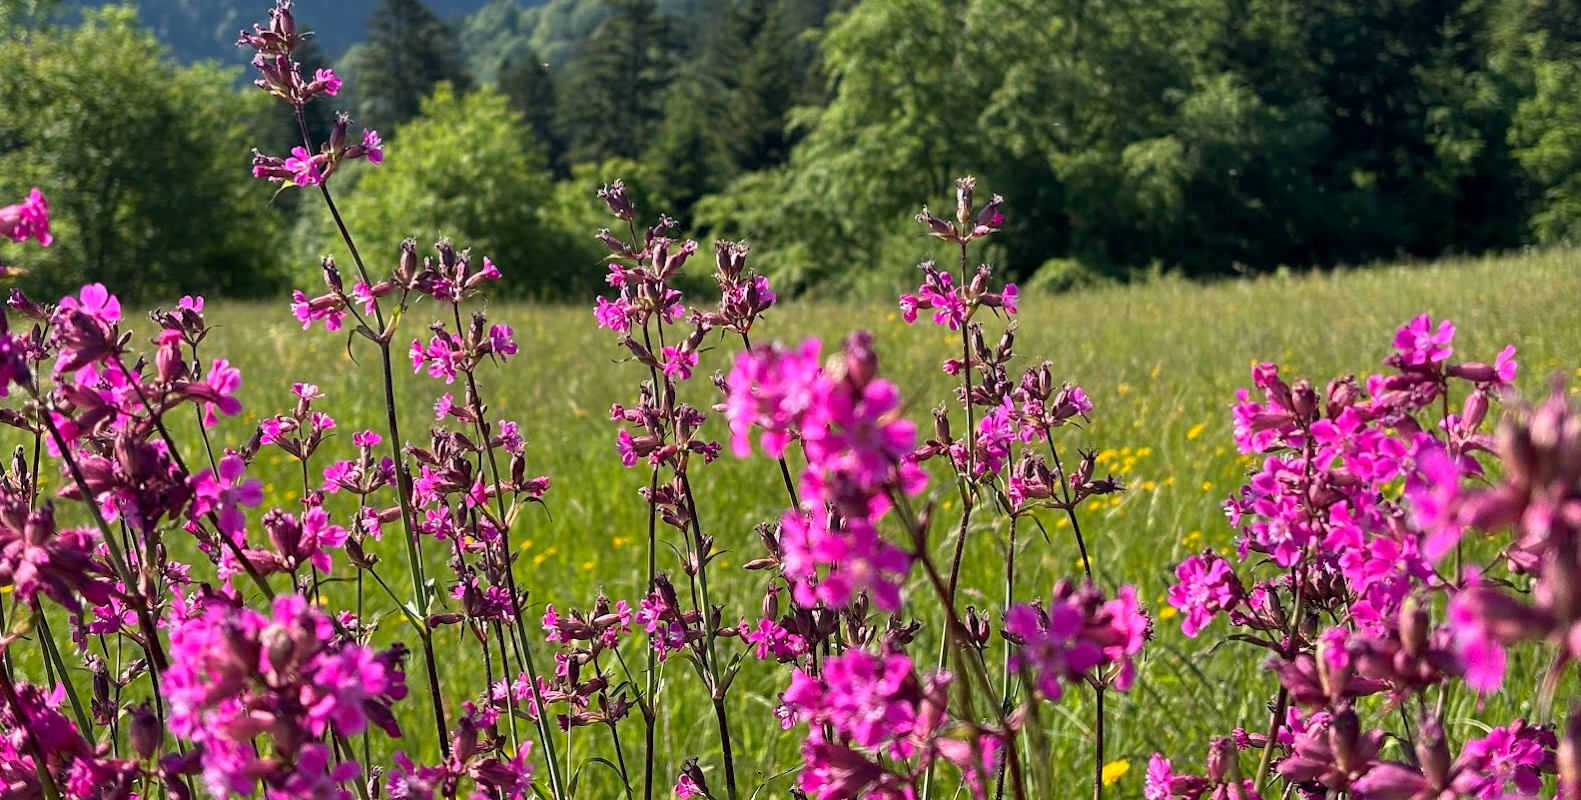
point(1160, 361)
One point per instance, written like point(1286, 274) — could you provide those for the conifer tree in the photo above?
point(615, 98)
point(407, 51)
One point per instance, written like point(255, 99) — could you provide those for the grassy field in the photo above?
point(1160, 362)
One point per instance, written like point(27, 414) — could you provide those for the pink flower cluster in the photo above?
point(1538, 498)
point(1078, 637)
point(27, 219)
point(954, 306)
point(642, 276)
point(236, 674)
point(473, 759)
point(1326, 500)
point(874, 725)
point(281, 76)
point(857, 447)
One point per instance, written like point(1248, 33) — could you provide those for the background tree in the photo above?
point(529, 87)
point(614, 94)
point(144, 163)
point(407, 52)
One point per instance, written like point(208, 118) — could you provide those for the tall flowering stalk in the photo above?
point(861, 477)
point(1364, 492)
point(449, 280)
point(666, 432)
point(1001, 414)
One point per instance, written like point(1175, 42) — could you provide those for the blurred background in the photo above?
point(1130, 138)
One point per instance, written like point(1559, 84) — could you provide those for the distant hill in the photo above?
point(197, 30)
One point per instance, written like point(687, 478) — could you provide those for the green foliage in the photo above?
point(529, 86)
point(408, 51)
point(467, 169)
point(144, 163)
point(1547, 133)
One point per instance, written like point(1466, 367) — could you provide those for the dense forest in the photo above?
point(1206, 137)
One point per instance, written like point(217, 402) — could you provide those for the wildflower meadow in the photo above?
point(1311, 537)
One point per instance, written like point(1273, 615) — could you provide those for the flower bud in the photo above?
point(1433, 752)
point(1221, 760)
point(168, 362)
point(1305, 400)
point(770, 607)
point(861, 362)
point(938, 226)
point(963, 199)
point(1414, 627)
point(406, 268)
point(1341, 395)
point(619, 203)
point(337, 134)
point(145, 731)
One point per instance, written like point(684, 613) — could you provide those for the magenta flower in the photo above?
point(502, 341)
point(1051, 646)
point(1515, 754)
point(1419, 344)
point(96, 302)
point(1505, 364)
point(329, 309)
point(678, 363)
point(1207, 586)
point(325, 79)
point(613, 316)
point(774, 641)
point(834, 565)
point(235, 674)
point(772, 388)
point(29, 218)
point(373, 148)
point(304, 167)
point(36, 558)
point(226, 495)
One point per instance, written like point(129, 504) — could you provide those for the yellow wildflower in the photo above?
point(1114, 771)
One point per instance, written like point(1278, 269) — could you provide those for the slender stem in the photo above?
point(1283, 701)
point(718, 688)
point(1097, 766)
point(556, 779)
point(151, 646)
point(1009, 651)
point(964, 484)
point(52, 653)
point(975, 666)
point(175, 456)
point(403, 479)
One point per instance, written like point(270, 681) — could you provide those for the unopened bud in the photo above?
point(963, 199)
point(861, 362)
point(1305, 400)
point(145, 732)
point(1221, 760)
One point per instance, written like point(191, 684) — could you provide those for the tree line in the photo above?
point(1206, 137)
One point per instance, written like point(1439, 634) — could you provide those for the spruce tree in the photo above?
point(614, 101)
point(408, 50)
point(528, 86)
